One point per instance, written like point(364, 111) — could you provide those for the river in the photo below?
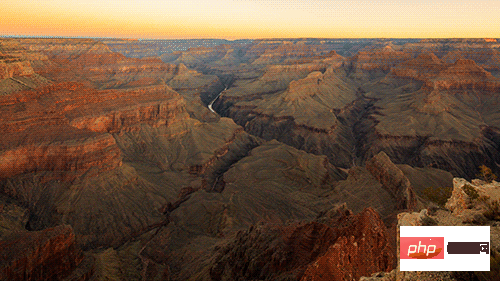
point(212, 102)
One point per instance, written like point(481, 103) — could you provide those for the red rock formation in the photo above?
point(50, 254)
point(76, 156)
point(361, 249)
point(345, 248)
point(64, 127)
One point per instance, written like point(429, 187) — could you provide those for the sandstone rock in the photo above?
point(393, 179)
point(459, 200)
point(469, 208)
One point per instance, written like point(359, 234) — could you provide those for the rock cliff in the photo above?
point(64, 127)
point(362, 248)
point(393, 179)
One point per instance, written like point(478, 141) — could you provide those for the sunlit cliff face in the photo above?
point(250, 19)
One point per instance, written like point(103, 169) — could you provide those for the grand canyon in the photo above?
point(250, 159)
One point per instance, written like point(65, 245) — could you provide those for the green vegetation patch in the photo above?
point(470, 191)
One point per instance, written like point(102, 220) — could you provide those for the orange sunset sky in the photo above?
point(234, 19)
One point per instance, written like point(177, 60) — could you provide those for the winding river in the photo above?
point(212, 102)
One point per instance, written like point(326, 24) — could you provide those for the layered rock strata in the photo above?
point(65, 127)
point(392, 179)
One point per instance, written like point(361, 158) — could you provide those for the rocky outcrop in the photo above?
point(459, 200)
point(50, 254)
point(361, 249)
point(393, 180)
point(270, 253)
point(464, 201)
point(345, 248)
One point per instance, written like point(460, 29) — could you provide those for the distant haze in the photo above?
point(233, 19)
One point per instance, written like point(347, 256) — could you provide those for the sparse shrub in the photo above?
point(486, 174)
point(492, 210)
point(438, 195)
point(470, 191)
point(428, 221)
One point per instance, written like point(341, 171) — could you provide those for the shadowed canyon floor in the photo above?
point(112, 167)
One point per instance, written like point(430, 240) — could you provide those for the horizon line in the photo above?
point(216, 38)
